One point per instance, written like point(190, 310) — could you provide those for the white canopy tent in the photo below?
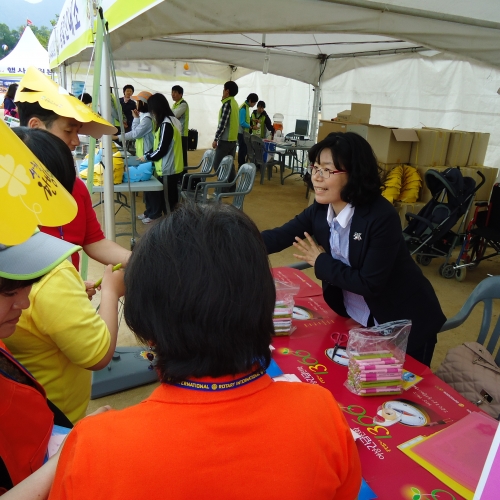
point(28, 52)
point(323, 43)
point(306, 40)
point(471, 30)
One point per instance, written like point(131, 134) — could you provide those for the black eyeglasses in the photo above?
point(323, 172)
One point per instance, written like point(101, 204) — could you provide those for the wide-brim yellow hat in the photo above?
point(29, 194)
point(37, 87)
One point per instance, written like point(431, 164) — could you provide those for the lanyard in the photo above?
point(221, 386)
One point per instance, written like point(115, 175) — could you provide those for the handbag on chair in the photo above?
point(471, 370)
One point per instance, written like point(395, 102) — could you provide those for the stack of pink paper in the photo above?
point(282, 317)
point(375, 374)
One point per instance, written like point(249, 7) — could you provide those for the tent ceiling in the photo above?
point(293, 57)
point(336, 28)
point(301, 44)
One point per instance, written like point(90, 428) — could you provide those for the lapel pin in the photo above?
point(357, 236)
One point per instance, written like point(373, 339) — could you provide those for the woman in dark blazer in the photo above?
point(359, 252)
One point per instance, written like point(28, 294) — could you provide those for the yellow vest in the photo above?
point(184, 119)
point(261, 132)
point(233, 118)
point(176, 148)
point(139, 147)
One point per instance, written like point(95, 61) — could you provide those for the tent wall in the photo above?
point(202, 84)
point(418, 91)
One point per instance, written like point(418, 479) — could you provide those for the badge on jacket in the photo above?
point(357, 236)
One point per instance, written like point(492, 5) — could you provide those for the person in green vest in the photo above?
point(142, 127)
point(260, 121)
point(167, 157)
point(244, 126)
point(181, 112)
point(227, 130)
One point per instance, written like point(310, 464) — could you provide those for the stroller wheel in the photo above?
point(461, 272)
point(423, 260)
point(447, 271)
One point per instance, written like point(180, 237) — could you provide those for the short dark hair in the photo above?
point(232, 87)
point(178, 88)
point(159, 109)
point(52, 152)
point(28, 110)
point(7, 285)
point(261, 104)
point(353, 154)
point(11, 91)
point(142, 106)
point(128, 87)
point(86, 98)
point(208, 302)
point(252, 97)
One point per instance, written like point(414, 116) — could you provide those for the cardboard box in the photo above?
point(459, 148)
point(390, 145)
point(404, 208)
point(359, 113)
point(431, 148)
point(490, 173)
point(478, 148)
point(327, 127)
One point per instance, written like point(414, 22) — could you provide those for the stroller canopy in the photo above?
point(458, 188)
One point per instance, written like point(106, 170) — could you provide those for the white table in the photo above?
point(152, 185)
point(289, 150)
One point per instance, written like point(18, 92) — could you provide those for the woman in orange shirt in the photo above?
point(217, 426)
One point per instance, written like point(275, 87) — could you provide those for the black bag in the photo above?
point(192, 139)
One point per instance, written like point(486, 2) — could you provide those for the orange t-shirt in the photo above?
point(265, 439)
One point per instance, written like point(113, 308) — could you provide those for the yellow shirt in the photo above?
point(59, 336)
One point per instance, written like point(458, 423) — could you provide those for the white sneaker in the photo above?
point(147, 220)
point(141, 217)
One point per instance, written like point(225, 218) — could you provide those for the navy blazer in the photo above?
point(382, 269)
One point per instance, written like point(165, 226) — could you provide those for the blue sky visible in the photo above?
point(15, 12)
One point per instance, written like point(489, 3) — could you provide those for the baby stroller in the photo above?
point(483, 232)
point(429, 234)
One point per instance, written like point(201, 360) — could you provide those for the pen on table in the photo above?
point(99, 281)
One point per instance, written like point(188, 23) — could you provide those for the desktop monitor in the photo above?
point(302, 127)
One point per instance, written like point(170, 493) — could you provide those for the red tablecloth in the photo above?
point(428, 407)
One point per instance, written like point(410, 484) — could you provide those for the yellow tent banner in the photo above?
point(74, 31)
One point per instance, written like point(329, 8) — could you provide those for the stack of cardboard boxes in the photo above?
point(423, 148)
point(440, 149)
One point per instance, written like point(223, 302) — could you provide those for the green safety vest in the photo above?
point(118, 109)
point(247, 110)
point(177, 150)
point(261, 132)
point(139, 147)
point(234, 119)
point(184, 119)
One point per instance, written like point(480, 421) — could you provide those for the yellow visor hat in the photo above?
point(39, 88)
point(29, 194)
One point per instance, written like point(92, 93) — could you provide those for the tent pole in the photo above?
point(84, 266)
point(105, 101)
point(317, 99)
point(62, 75)
point(315, 112)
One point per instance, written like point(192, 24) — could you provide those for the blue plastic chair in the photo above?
point(486, 292)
